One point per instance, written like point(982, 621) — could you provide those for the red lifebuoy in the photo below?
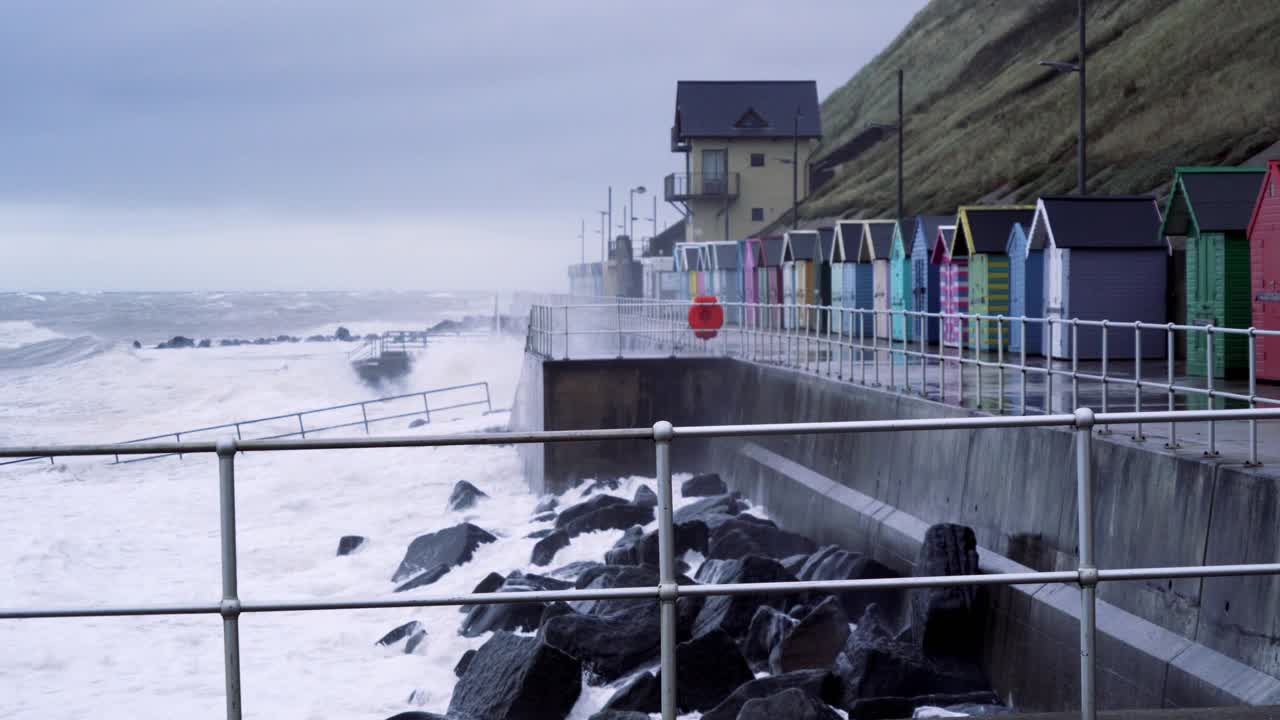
point(706, 316)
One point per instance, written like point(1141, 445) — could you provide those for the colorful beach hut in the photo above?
point(1211, 206)
point(800, 274)
point(845, 246)
point(1105, 259)
point(725, 272)
point(982, 236)
point(1026, 292)
point(877, 239)
point(750, 295)
point(769, 278)
point(925, 293)
point(953, 287)
point(1264, 262)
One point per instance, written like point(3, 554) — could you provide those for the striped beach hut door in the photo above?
point(1017, 290)
point(955, 300)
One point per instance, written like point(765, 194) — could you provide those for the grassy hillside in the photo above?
point(1170, 82)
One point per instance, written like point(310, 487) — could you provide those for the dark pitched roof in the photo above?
point(1099, 221)
point(986, 229)
point(930, 225)
point(726, 255)
point(802, 245)
point(746, 109)
point(1220, 199)
point(877, 241)
point(692, 258)
point(770, 254)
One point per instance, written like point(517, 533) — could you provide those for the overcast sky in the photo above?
point(202, 144)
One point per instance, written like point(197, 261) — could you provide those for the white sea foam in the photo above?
point(17, 333)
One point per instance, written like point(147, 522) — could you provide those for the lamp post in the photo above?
point(795, 169)
point(1077, 67)
point(898, 129)
point(604, 238)
point(631, 203)
point(582, 237)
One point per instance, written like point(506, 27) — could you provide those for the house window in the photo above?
point(757, 159)
point(757, 214)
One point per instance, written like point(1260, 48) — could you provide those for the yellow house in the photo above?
point(747, 147)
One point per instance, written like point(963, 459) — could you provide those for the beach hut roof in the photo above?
point(769, 252)
point(1096, 222)
point(877, 240)
point(826, 243)
point(1268, 184)
point(801, 245)
point(985, 228)
point(1211, 199)
point(941, 251)
point(724, 255)
point(846, 240)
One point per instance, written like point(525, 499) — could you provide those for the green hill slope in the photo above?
point(1170, 82)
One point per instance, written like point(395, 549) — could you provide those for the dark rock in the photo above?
point(613, 517)
point(464, 662)
point(348, 544)
point(768, 627)
point(944, 621)
point(712, 510)
point(638, 548)
point(400, 633)
point(833, 563)
point(884, 708)
point(875, 664)
point(414, 642)
point(645, 497)
point(450, 547)
point(545, 551)
point(608, 646)
point(792, 704)
point(206, 343)
point(599, 502)
point(798, 612)
point(417, 715)
point(540, 534)
point(553, 610)
point(481, 619)
point(820, 685)
point(546, 504)
point(417, 423)
point(517, 678)
point(425, 578)
point(544, 517)
point(703, 485)
point(178, 341)
point(318, 338)
point(618, 715)
point(574, 570)
point(733, 613)
point(643, 693)
point(343, 334)
point(815, 642)
point(708, 668)
point(465, 495)
point(747, 535)
point(795, 563)
point(490, 583)
point(137, 345)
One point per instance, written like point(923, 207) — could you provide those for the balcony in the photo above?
point(681, 187)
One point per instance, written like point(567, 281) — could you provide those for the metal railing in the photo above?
point(662, 434)
point(858, 345)
point(691, 186)
point(302, 430)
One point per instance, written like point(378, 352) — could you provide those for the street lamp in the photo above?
point(631, 204)
point(1076, 67)
point(896, 128)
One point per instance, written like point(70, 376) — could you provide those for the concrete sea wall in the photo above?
point(1161, 643)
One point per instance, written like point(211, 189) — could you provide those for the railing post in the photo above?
point(1173, 431)
point(1050, 350)
point(177, 437)
point(426, 407)
point(618, 304)
point(667, 588)
point(1000, 364)
point(924, 363)
point(301, 428)
point(1137, 378)
point(363, 413)
point(1022, 364)
point(977, 359)
point(230, 606)
point(1088, 571)
point(1075, 363)
point(1105, 363)
point(488, 399)
point(1213, 427)
point(1253, 391)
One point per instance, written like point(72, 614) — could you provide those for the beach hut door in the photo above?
point(1202, 311)
point(1055, 300)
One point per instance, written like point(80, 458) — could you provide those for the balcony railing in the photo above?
point(701, 186)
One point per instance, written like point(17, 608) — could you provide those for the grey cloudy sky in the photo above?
point(334, 144)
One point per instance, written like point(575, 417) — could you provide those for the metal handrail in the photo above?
point(302, 431)
point(662, 434)
point(830, 339)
